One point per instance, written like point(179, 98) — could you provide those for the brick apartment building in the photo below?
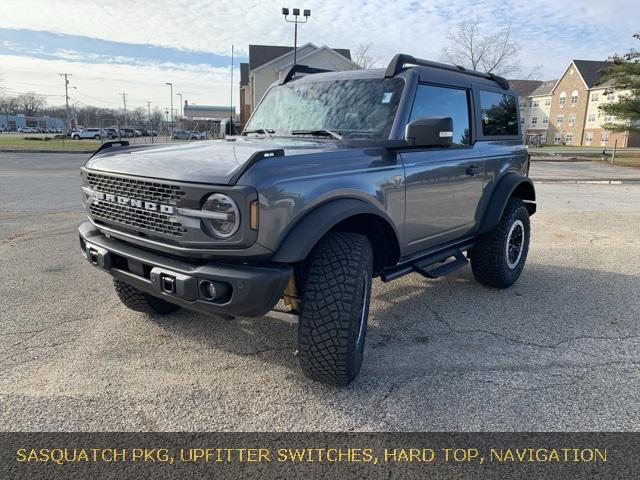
point(565, 111)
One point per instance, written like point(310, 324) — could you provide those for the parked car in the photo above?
point(130, 132)
point(27, 130)
point(187, 135)
point(95, 133)
point(111, 133)
point(198, 135)
point(416, 168)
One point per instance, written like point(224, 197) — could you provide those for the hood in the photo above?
point(213, 161)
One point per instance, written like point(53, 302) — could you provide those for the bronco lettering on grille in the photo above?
point(132, 202)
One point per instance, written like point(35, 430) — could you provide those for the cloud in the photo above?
point(191, 39)
point(101, 84)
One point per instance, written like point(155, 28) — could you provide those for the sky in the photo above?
point(136, 46)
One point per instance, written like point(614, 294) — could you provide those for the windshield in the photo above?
point(351, 108)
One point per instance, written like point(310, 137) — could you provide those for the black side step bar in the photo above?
point(459, 261)
point(420, 264)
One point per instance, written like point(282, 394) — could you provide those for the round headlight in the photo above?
point(222, 216)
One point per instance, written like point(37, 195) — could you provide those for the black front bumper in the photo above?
point(254, 289)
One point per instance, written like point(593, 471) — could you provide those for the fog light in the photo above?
point(214, 291)
point(208, 290)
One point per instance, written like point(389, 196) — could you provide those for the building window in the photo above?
point(611, 96)
point(594, 97)
point(547, 102)
point(559, 119)
point(521, 120)
point(536, 103)
point(604, 137)
point(591, 117)
point(545, 120)
point(574, 97)
point(543, 138)
point(568, 138)
point(534, 120)
point(561, 100)
point(530, 103)
point(557, 137)
point(588, 137)
point(608, 118)
point(523, 104)
point(571, 119)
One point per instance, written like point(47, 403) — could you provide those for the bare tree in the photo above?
point(495, 52)
point(157, 117)
point(363, 57)
point(31, 103)
point(8, 106)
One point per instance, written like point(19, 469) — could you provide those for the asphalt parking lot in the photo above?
point(558, 351)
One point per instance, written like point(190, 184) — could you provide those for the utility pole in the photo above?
point(150, 125)
point(231, 132)
point(124, 101)
point(171, 86)
point(66, 96)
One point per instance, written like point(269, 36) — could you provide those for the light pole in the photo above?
point(296, 14)
point(171, 86)
point(166, 115)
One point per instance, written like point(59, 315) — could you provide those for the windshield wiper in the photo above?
point(261, 131)
point(318, 133)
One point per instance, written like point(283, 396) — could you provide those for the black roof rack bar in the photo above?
point(300, 69)
point(106, 145)
point(398, 62)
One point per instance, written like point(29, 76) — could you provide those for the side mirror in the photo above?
point(430, 132)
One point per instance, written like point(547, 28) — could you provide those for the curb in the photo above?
point(18, 150)
point(626, 181)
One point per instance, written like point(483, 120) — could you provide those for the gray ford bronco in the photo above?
point(337, 178)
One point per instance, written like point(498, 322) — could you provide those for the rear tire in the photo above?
point(335, 305)
point(140, 301)
point(499, 256)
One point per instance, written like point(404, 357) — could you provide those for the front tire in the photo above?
point(499, 256)
point(140, 301)
point(336, 288)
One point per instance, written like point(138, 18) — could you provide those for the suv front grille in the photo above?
point(164, 193)
point(137, 219)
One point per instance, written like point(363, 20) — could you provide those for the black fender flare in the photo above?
point(505, 189)
point(305, 233)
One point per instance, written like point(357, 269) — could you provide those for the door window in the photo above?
point(499, 113)
point(432, 101)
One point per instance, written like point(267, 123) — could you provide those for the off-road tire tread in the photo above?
point(487, 256)
point(140, 301)
point(332, 299)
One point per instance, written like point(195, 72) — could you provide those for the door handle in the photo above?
point(472, 170)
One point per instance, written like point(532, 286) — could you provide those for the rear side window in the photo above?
point(434, 101)
point(499, 113)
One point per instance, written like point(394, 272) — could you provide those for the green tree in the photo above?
point(625, 75)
